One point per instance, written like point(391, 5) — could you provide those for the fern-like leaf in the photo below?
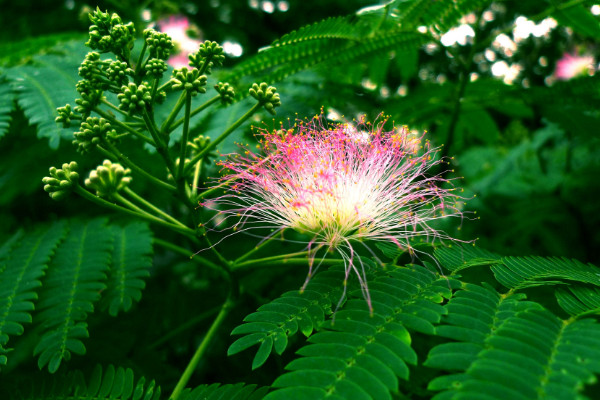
point(42, 87)
point(273, 323)
point(458, 257)
point(473, 315)
point(522, 272)
point(130, 266)
point(532, 355)
point(108, 384)
point(216, 391)
point(361, 356)
point(20, 274)
point(7, 105)
point(75, 279)
point(579, 300)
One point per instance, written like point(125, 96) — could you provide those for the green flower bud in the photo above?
point(155, 67)
point(65, 115)
point(226, 91)
point(159, 44)
point(90, 67)
point(118, 72)
point(266, 95)
point(108, 178)
point(61, 181)
point(108, 33)
point(209, 52)
point(134, 98)
point(189, 80)
point(90, 94)
point(91, 132)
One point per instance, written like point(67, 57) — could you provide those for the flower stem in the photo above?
point(256, 248)
point(100, 201)
point(184, 136)
point(117, 109)
point(195, 111)
point(112, 150)
point(281, 260)
point(180, 102)
point(161, 146)
point(223, 135)
point(189, 370)
point(187, 253)
point(129, 129)
point(152, 207)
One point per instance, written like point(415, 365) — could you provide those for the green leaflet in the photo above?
point(7, 105)
point(532, 355)
point(20, 274)
point(237, 391)
point(42, 87)
point(73, 284)
point(273, 323)
point(361, 356)
point(522, 272)
point(456, 257)
point(130, 266)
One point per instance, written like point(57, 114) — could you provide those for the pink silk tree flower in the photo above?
point(178, 27)
point(572, 65)
point(342, 185)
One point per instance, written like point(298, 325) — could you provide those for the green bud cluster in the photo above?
point(155, 67)
point(108, 178)
point(266, 96)
point(90, 94)
point(159, 44)
point(209, 52)
point(61, 181)
point(134, 98)
point(90, 68)
point(65, 115)
point(226, 91)
point(118, 72)
point(91, 132)
point(108, 33)
point(189, 80)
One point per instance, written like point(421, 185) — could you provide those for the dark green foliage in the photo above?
point(130, 266)
point(273, 323)
point(20, 274)
point(216, 392)
point(73, 284)
point(41, 88)
point(360, 355)
point(68, 276)
point(6, 107)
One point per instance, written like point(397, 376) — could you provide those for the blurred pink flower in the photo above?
point(177, 27)
point(572, 65)
point(341, 185)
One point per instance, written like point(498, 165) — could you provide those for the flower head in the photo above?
point(341, 185)
point(572, 65)
point(178, 27)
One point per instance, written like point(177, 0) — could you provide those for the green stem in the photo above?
point(194, 112)
point(134, 167)
point(278, 260)
point(117, 109)
point(187, 253)
point(189, 370)
point(129, 129)
point(100, 201)
point(255, 249)
point(183, 327)
point(184, 137)
point(161, 146)
point(173, 114)
point(197, 170)
point(152, 207)
point(223, 135)
point(139, 68)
